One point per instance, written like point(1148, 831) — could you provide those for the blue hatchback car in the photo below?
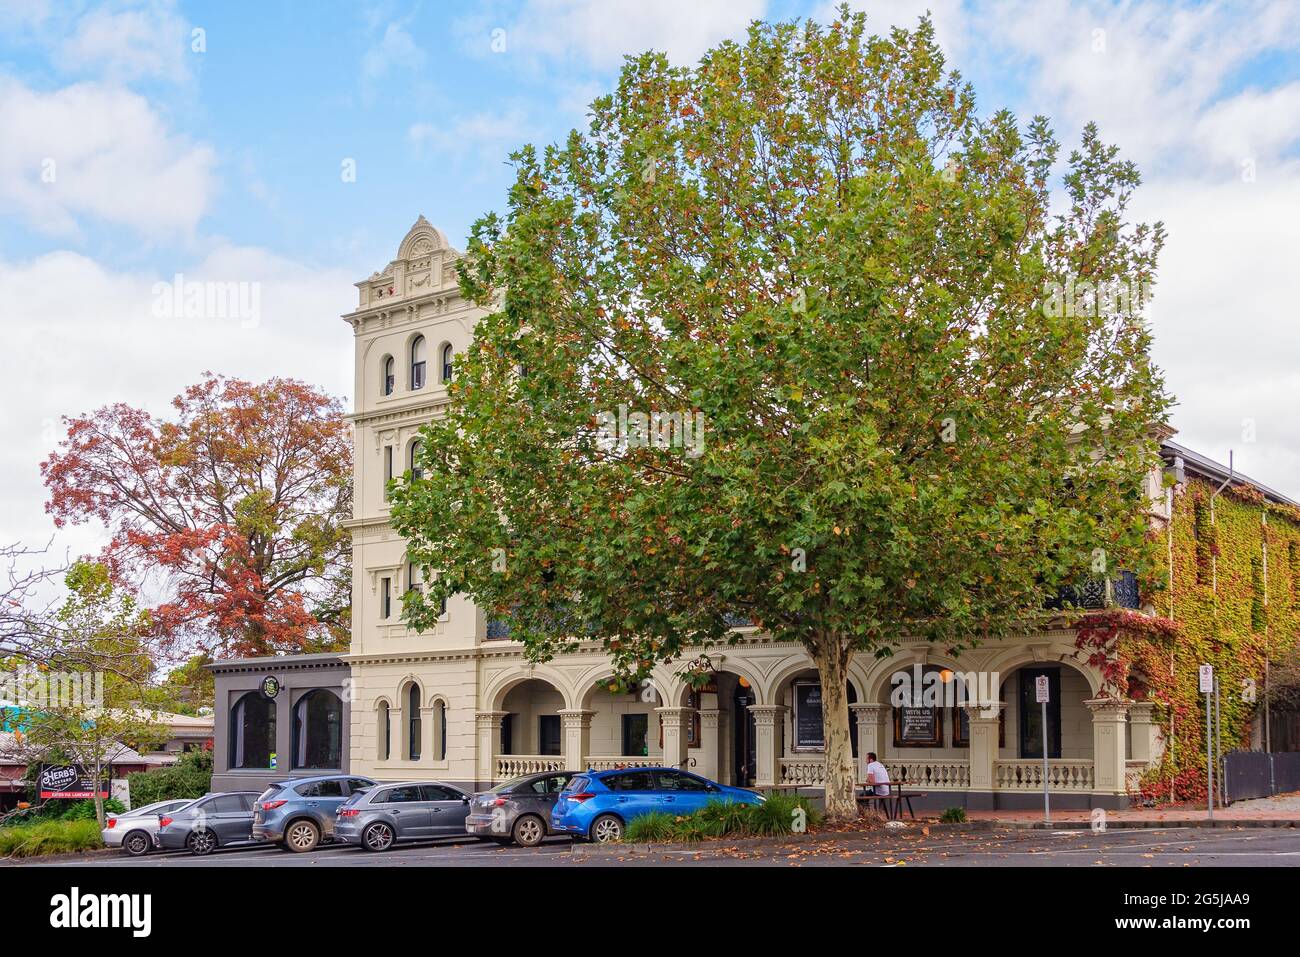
point(596, 805)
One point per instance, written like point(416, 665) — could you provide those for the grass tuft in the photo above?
point(49, 837)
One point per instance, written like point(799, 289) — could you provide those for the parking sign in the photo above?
point(1207, 679)
point(1041, 693)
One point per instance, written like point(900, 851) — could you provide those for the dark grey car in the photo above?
point(213, 821)
point(379, 817)
point(518, 809)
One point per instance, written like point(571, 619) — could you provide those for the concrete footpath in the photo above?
point(1280, 811)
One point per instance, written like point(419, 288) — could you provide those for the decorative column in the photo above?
point(674, 723)
point(871, 736)
point(1109, 722)
point(487, 733)
point(1146, 742)
point(577, 738)
point(710, 743)
point(769, 721)
point(985, 722)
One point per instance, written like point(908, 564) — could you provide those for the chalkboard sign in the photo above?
point(918, 727)
point(808, 728)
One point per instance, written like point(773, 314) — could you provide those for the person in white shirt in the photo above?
point(877, 774)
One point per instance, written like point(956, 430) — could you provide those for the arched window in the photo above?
point(417, 473)
point(318, 731)
point(390, 375)
point(252, 732)
point(413, 722)
point(439, 731)
point(446, 362)
point(417, 363)
point(385, 731)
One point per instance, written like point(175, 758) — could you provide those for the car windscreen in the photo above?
point(356, 796)
point(270, 793)
point(579, 783)
point(510, 785)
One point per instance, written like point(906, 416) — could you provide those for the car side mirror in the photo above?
point(465, 799)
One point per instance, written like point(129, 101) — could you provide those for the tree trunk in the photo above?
point(99, 800)
point(832, 659)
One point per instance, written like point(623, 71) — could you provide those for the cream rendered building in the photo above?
point(461, 704)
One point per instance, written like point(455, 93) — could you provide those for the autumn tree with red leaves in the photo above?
point(234, 511)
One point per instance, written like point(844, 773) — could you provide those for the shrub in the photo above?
point(654, 827)
point(49, 837)
point(954, 815)
point(189, 777)
point(775, 816)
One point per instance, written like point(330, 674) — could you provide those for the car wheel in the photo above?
point(529, 831)
point(137, 843)
point(202, 842)
point(302, 836)
point(377, 837)
point(606, 829)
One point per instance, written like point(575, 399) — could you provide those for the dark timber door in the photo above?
point(743, 725)
point(548, 734)
point(1031, 714)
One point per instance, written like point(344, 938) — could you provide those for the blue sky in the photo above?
point(226, 164)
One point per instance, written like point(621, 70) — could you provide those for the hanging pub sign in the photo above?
point(270, 687)
point(809, 733)
point(70, 781)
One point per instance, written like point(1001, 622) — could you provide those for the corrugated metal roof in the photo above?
point(1216, 470)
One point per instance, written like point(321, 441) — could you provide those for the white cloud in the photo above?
point(1224, 316)
point(128, 42)
point(1144, 72)
point(395, 50)
point(1256, 125)
point(79, 336)
point(599, 32)
point(98, 151)
point(485, 137)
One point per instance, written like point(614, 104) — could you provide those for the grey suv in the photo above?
point(387, 813)
point(518, 809)
point(299, 814)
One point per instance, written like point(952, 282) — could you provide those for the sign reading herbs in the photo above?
point(69, 781)
point(808, 729)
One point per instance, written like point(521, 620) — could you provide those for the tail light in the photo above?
point(349, 812)
point(164, 821)
point(272, 805)
point(582, 796)
point(112, 823)
point(498, 802)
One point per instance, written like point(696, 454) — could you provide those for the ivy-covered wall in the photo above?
point(1219, 617)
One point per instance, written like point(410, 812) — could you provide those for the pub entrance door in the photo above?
point(745, 751)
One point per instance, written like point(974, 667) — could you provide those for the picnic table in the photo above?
point(891, 803)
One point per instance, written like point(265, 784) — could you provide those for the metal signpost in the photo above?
point(1041, 694)
point(1207, 689)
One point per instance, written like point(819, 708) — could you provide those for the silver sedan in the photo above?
point(136, 831)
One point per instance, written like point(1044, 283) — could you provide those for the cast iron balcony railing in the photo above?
point(498, 629)
point(1091, 593)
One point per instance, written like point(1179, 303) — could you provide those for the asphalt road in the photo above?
point(942, 847)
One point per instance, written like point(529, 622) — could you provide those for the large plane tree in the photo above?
point(916, 379)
